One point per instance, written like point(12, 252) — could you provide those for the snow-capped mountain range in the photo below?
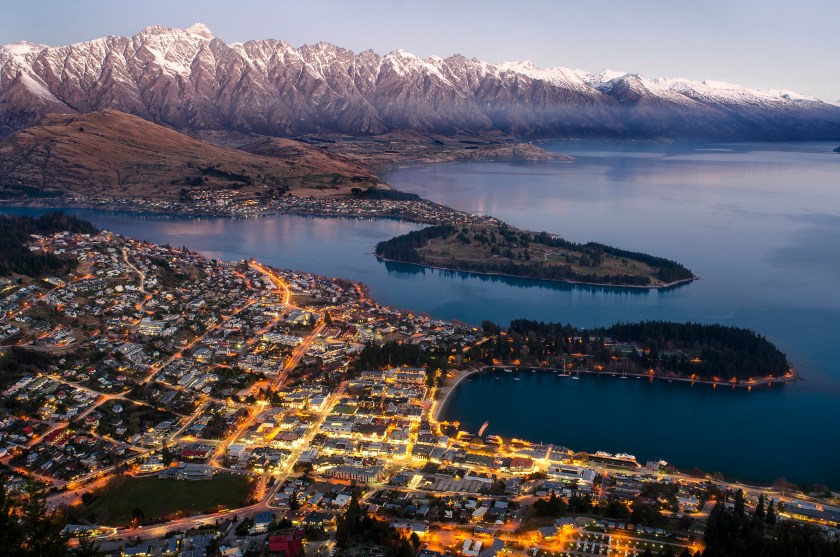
point(190, 80)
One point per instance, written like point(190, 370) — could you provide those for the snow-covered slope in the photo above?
point(187, 79)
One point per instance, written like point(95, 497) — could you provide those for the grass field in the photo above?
point(158, 498)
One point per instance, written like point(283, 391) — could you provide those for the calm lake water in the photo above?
point(760, 223)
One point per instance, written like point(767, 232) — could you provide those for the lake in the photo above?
point(760, 223)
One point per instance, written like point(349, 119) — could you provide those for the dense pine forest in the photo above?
point(16, 257)
point(669, 349)
point(738, 531)
point(404, 248)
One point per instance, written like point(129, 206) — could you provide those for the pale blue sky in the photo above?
point(771, 43)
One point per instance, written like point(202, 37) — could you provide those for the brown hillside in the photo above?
point(111, 153)
point(312, 167)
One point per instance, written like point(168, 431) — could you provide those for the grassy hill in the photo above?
point(111, 153)
point(502, 249)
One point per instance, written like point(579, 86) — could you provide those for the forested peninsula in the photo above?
point(695, 351)
point(497, 248)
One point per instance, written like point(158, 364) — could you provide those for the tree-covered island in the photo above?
point(497, 248)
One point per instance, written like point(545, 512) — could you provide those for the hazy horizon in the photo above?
point(762, 45)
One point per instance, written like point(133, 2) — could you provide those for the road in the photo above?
point(158, 530)
point(290, 364)
point(140, 273)
point(103, 398)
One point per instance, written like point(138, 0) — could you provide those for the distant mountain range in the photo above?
point(191, 81)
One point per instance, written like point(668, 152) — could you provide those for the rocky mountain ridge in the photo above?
point(192, 81)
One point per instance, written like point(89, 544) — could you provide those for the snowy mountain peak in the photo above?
point(158, 30)
point(200, 29)
point(558, 75)
point(164, 33)
point(517, 65)
point(402, 53)
point(20, 50)
point(598, 80)
point(186, 79)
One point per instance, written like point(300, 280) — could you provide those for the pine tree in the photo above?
point(414, 539)
point(88, 547)
point(11, 533)
point(740, 503)
point(771, 513)
point(137, 516)
point(28, 530)
point(759, 508)
point(349, 524)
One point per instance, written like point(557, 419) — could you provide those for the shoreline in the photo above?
point(130, 208)
point(442, 398)
point(443, 394)
point(151, 212)
point(665, 286)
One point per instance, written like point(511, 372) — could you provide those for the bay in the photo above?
point(760, 223)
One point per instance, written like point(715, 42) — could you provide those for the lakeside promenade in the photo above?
point(444, 392)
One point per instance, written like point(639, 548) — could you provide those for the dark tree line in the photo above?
point(15, 256)
point(381, 194)
point(404, 248)
point(374, 356)
point(17, 362)
point(355, 527)
point(553, 506)
point(28, 530)
point(736, 532)
point(724, 352)
point(9, 191)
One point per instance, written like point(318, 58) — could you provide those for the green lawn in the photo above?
point(158, 498)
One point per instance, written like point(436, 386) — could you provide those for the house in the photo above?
point(571, 472)
point(79, 530)
point(366, 475)
point(262, 521)
point(288, 544)
point(494, 549)
point(150, 327)
point(521, 465)
point(341, 500)
point(316, 403)
point(547, 532)
point(152, 464)
point(237, 450)
point(688, 504)
point(185, 471)
point(318, 519)
point(471, 548)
